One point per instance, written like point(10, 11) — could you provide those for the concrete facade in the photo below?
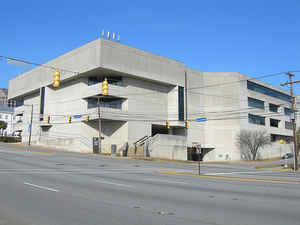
point(144, 93)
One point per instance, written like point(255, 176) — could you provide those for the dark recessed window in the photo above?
point(288, 125)
point(256, 103)
point(276, 137)
point(42, 103)
point(180, 103)
point(254, 119)
point(268, 91)
point(111, 80)
point(107, 103)
point(273, 107)
point(274, 123)
point(287, 111)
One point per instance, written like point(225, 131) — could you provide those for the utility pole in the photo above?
point(30, 131)
point(99, 124)
point(293, 116)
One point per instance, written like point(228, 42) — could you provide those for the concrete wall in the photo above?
point(165, 146)
point(79, 60)
point(222, 110)
point(136, 62)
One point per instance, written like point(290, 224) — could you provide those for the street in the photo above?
point(40, 186)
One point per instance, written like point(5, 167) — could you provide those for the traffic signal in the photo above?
point(105, 87)
point(48, 119)
point(186, 124)
point(56, 79)
point(87, 118)
point(168, 124)
point(69, 119)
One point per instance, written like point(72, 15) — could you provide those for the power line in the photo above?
point(225, 83)
point(25, 62)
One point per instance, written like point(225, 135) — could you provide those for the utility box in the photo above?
point(95, 145)
point(113, 149)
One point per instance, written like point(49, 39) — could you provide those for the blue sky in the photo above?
point(253, 37)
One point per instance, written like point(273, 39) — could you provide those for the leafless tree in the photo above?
point(250, 141)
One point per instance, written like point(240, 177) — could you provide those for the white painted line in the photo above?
point(240, 172)
point(41, 187)
point(112, 183)
point(166, 181)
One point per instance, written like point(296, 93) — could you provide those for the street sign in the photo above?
point(77, 116)
point(201, 119)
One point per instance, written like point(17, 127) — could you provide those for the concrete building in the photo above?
point(145, 91)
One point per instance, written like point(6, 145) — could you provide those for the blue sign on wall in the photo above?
point(201, 119)
point(77, 116)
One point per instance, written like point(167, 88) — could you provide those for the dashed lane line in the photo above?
point(41, 187)
point(241, 179)
point(113, 183)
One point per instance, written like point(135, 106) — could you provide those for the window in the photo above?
point(180, 103)
point(19, 103)
point(273, 107)
point(109, 103)
point(288, 125)
point(0, 116)
point(274, 123)
point(252, 102)
point(111, 80)
point(254, 119)
point(6, 117)
point(42, 103)
point(287, 111)
point(276, 137)
point(268, 91)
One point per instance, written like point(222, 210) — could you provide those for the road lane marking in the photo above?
point(113, 183)
point(41, 187)
point(71, 172)
point(18, 151)
point(165, 181)
point(239, 172)
point(230, 178)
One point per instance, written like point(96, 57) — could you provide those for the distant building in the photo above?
point(3, 96)
point(7, 115)
point(146, 102)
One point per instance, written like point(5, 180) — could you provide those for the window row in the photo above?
point(261, 120)
point(114, 80)
point(256, 103)
point(268, 91)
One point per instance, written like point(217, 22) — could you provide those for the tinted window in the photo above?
point(254, 119)
point(252, 102)
point(287, 111)
point(180, 103)
point(42, 103)
point(111, 80)
point(274, 123)
point(273, 108)
point(288, 125)
point(268, 91)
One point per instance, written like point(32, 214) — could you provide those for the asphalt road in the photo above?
point(39, 186)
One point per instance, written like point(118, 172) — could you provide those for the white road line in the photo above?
point(240, 172)
point(112, 183)
point(41, 187)
point(166, 181)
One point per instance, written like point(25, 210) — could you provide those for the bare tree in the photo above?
point(250, 141)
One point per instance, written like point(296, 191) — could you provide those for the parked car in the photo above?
point(288, 155)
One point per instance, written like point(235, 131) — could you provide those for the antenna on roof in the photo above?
point(110, 35)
